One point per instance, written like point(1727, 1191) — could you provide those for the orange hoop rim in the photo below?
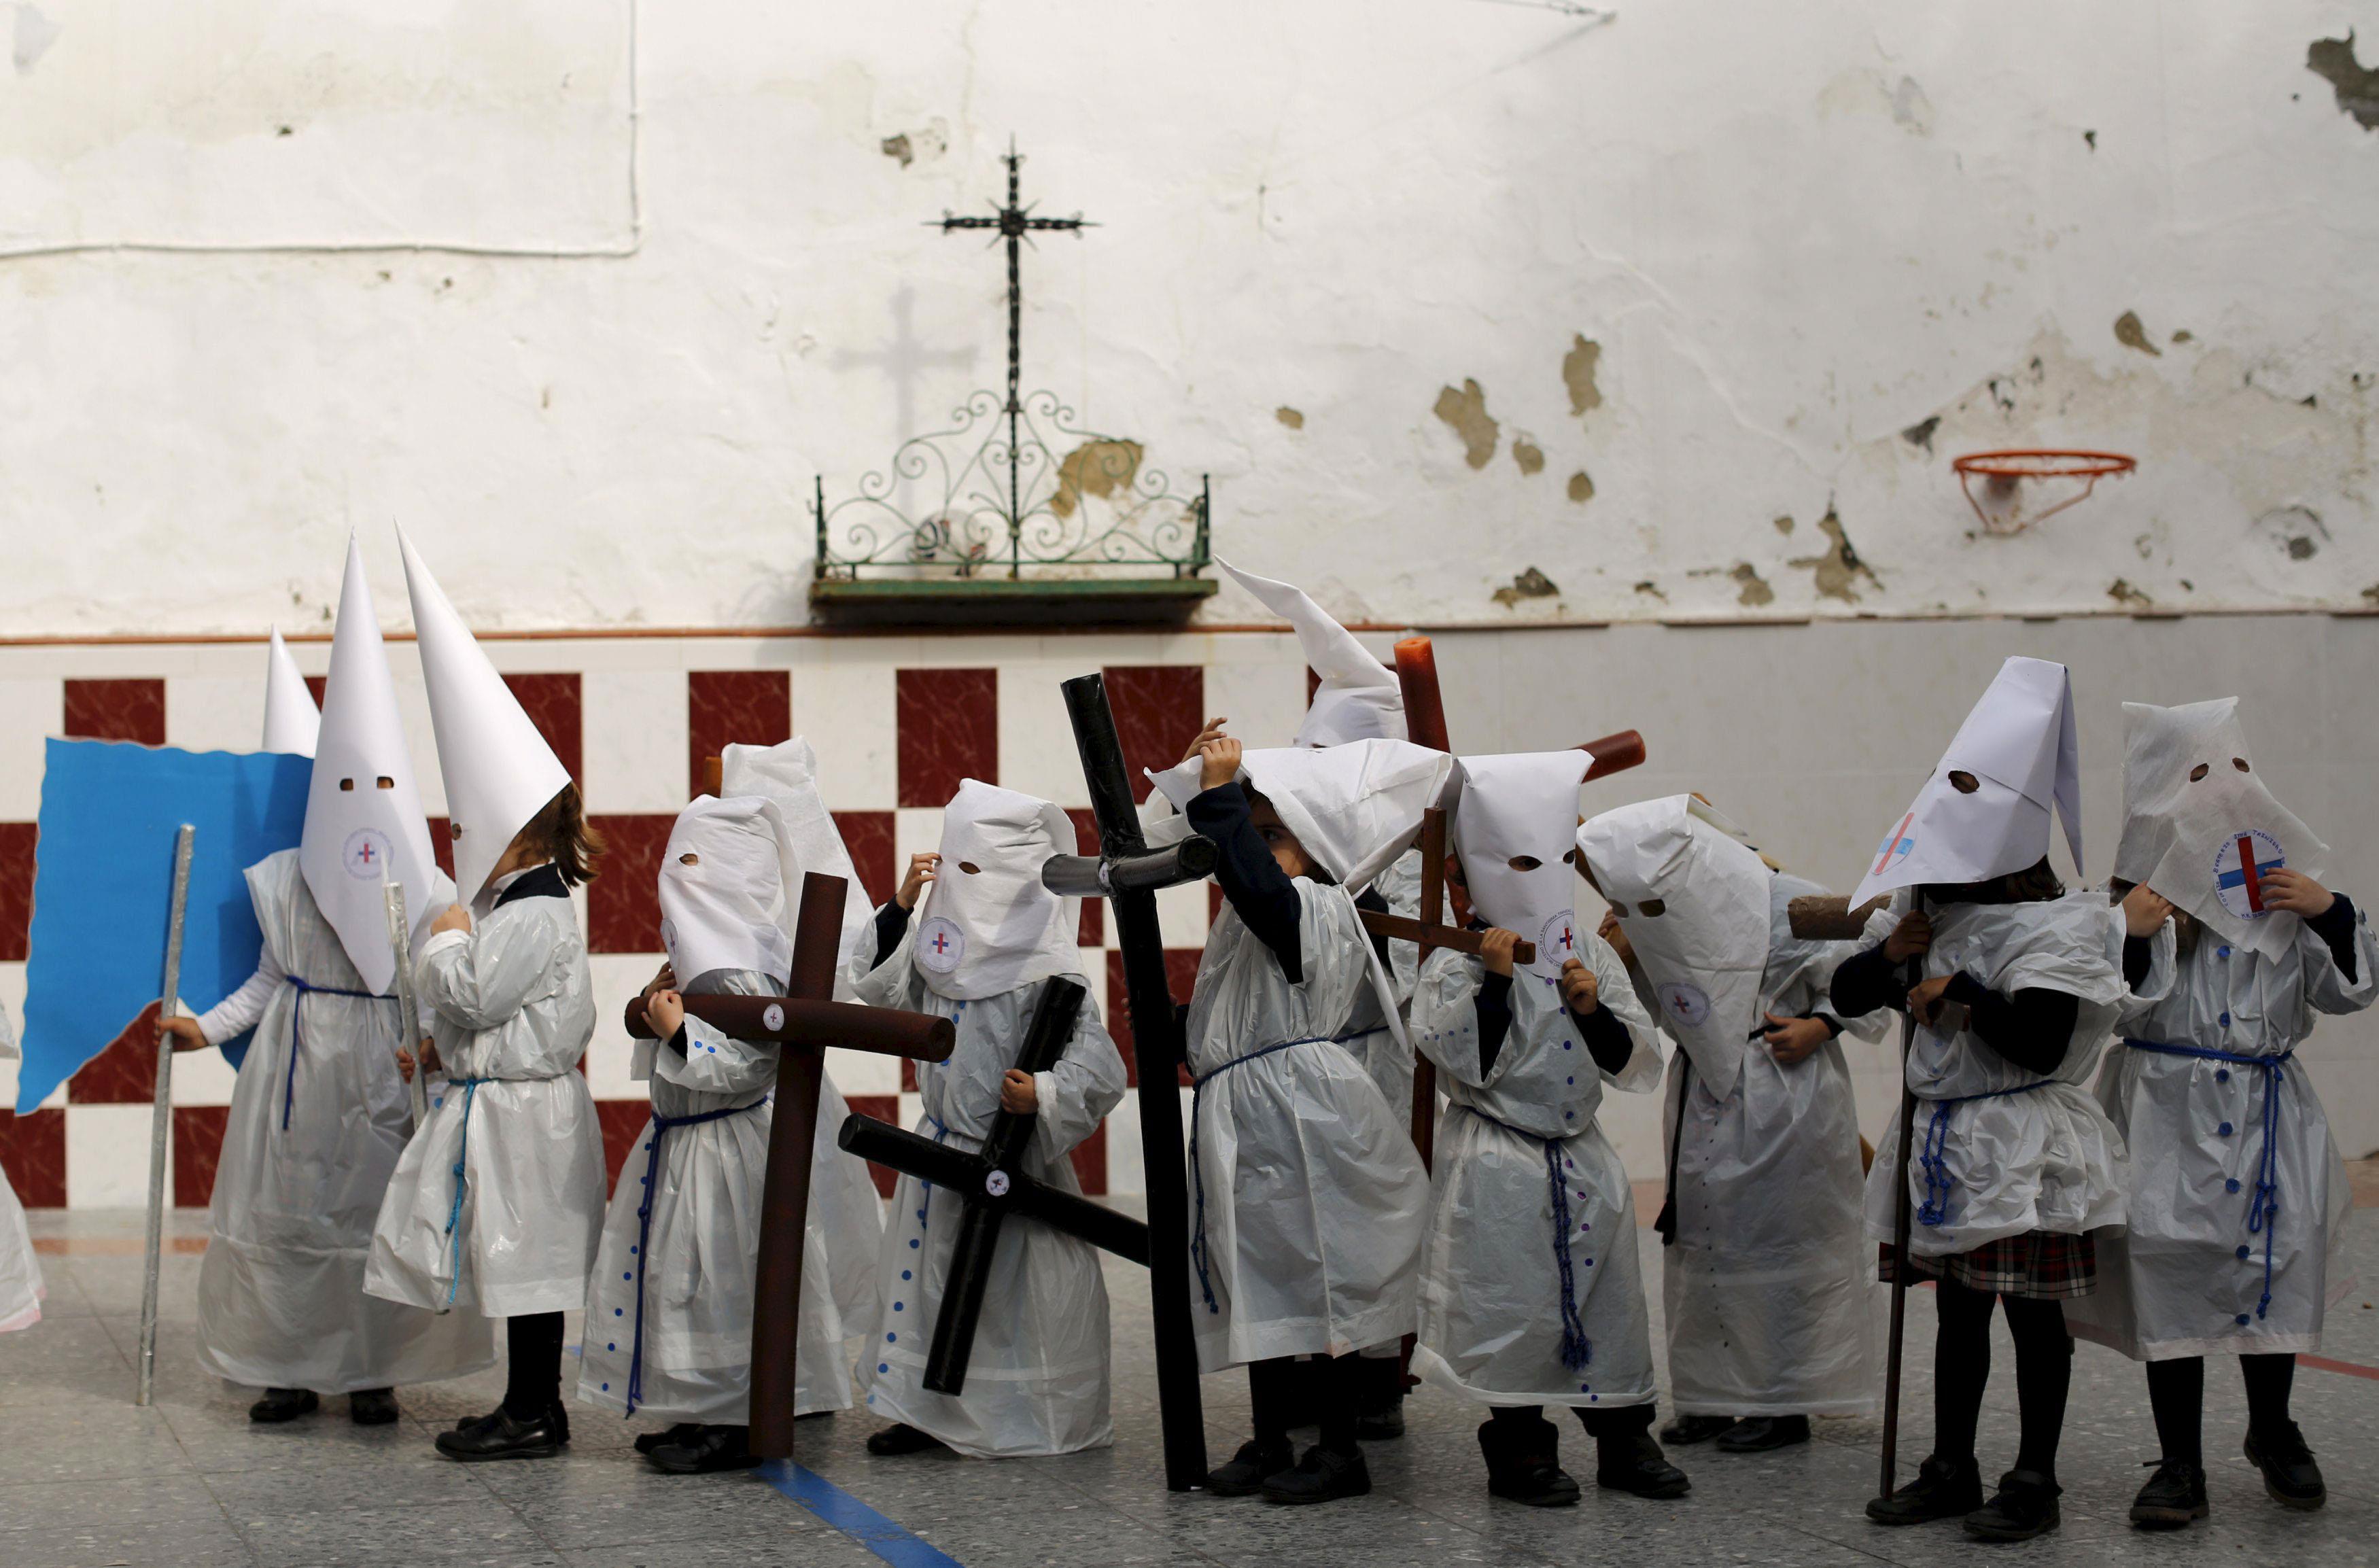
point(2045, 462)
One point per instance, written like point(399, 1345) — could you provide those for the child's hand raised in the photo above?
point(1212, 732)
point(1218, 762)
point(1611, 931)
point(2145, 911)
point(1496, 947)
point(665, 1010)
point(920, 872)
point(2297, 893)
point(1019, 1095)
point(453, 917)
point(1581, 991)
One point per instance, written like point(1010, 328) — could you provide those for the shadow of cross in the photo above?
point(1425, 724)
point(802, 1025)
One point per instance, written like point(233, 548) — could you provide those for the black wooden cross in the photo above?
point(1129, 874)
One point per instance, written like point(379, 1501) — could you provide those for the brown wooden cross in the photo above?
point(1425, 723)
point(802, 1024)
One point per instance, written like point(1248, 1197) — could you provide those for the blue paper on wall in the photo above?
point(103, 883)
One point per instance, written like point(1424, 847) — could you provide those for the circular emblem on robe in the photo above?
point(940, 945)
point(2240, 867)
point(1557, 941)
point(995, 1184)
point(669, 934)
point(366, 855)
point(772, 1016)
point(1689, 1005)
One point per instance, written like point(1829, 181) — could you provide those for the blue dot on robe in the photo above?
point(2241, 1320)
point(912, 1243)
point(611, 1348)
point(606, 1388)
point(891, 1339)
point(1582, 1388)
point(900, 1306)
point(2231, 1185)
point(2223, 951)
point(881, 1366)
point(619, 1312)
point(1569, 1081)
point(1589, 1262)
point(627, 1276)
point(1569, 1116)
point(920, 1213)
point(2223, 1129)
point(631, 1252)
point(904, 1273)
point(2221, 1074)
point(2242, 1253)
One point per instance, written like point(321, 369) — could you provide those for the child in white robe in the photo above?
point(1531, 1293)
point(1310, 1201)
point(22, 1291)
point(980, 951)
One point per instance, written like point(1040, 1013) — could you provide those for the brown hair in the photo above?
point(560, 833)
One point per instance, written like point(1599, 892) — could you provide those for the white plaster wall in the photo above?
point(676, 248)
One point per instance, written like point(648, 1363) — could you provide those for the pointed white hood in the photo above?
point(986, 925)
point(1354, 807)
point(1359, 698)
point(1985, 810)
point(724, 881)
point(1517, 834)
point(2197, 820)
point(498, 769)
point(292, 723)
point(364, 825)
point(787, 775)
point(1692, 895)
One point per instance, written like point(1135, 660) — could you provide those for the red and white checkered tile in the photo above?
point(897, 723)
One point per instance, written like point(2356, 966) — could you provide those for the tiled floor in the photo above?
point(86, 1479)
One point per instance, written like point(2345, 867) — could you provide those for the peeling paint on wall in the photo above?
point(2123, 592)
point(1289, 416)
point(2131, 335)
point(2296, 532)
point(1581, 487)
point(1919, 435)
point(2331, 59)
point(1577, 375)
point(910, 147)
point(1651, 589)
point(1527, 454)
point(1467, 412)
point(1529, 585)
point(1755, 591)
point(1838, 571)
point(1096, 468)
point(1783, 525)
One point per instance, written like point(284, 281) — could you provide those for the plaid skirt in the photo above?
point(2039, 1265)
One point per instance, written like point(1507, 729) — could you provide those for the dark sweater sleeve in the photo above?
point(2139, 957)
point(891, 924)
point(2335, 927)
point(677, 1042)
point(1866, 981)
point(1607, 1040)
point(1494, 1004)
point(1262, 893)
point(1370, 898)
point(2033, 1029)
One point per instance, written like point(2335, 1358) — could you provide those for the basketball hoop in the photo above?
point(2003, 471)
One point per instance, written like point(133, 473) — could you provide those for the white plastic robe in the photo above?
point(1037, 1376)
point(510, 1008)
point(1310, 1199)
point(1359, 698)
point(1493, 1319)
point(1769, 1294)
point(1386, 1052)
point(319, 1118)
point(701, 1250)
point(2191, 801)
point(21, 1290)
point(2176, 1282)
point(2014, 1158)
point(1985, 811)
point(291, 720)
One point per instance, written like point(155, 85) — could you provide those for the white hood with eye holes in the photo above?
point(986, 925)
point(729, 908)
point(364, 825)
point(2199, 826)
point(1693, 899)
point(1984, 811)
point(1516, 832)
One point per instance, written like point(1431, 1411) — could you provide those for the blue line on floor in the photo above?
point(853, 1518)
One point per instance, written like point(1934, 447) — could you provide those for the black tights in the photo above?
point(1336, 1389)
point(1625, 1421)
point(532, 1372)
point(2177, 1391)
point(1961, 1366)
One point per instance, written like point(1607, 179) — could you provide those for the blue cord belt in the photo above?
point(298, 1032)
point(470, 1088)
point(1933, 1157)
point(661, 1126)
point(1575, 1349)
point(2263, 1209)
point(1198, 1249)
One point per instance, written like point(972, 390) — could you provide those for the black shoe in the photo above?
point(2290, 1477)
point(710, 1449)
point(281, 1405)
point(1380, 1426)
point(1688, 1431)
point(504, 1437)
point(1523, 1463)
point(1758, 1434)
point(901, 1438)
point(2174, 1495)
point(682, 1431)
point(1634, 1464)
point(1320, 1476)
point(558, 1415)
point(2025, 1506)
point(1941, 1490)
point(1245, 1475)
point(472, 1423)
point(372, 1406)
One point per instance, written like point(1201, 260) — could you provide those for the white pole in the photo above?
point(161, 1124)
